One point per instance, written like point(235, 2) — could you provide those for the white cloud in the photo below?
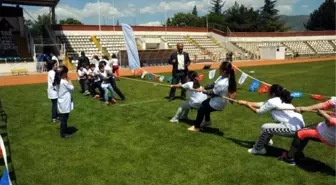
point(304, 6)
point(284, 6)
point(90, 10)
point(154, 23)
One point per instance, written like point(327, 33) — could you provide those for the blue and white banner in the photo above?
point(254, 85)
point(5, 180)
point(295, 94)
point(132, 51)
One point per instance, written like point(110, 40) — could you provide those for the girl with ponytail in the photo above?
point(196, 98)
point(225, 85)
point(64, 103)
point(52, 93)
point(287, 121)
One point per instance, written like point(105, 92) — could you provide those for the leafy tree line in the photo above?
point(239, 18)
point(36, 27)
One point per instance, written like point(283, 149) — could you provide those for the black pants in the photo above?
point(64, 124)
point(204, 113)
point(301, 144)
point(182, 77)
point(54, 109)
point(116, 89)
point(83, 84)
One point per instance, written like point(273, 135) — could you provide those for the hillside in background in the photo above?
point(296, 22)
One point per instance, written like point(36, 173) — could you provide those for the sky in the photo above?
point(152, 12)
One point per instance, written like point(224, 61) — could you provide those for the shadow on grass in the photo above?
point(72, 130)
point(306, 163)
point(206, 130)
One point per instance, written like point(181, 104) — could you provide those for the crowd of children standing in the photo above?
point(92, 75)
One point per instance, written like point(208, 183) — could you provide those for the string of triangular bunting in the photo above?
point(255, 86)
point(263, 87)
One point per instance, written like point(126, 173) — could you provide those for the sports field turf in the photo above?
point(133, 142)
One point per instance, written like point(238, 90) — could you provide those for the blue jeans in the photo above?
point(106, 90)
point(54, 109)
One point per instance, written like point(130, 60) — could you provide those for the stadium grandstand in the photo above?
point(203, 44)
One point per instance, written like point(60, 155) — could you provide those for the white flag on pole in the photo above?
point(143, 74)
point(242, 78)
point(161, 78)
point(212, 74)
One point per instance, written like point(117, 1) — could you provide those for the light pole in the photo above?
point(113, 16)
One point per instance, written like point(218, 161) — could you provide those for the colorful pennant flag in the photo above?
point(170, 79)
point(138, 72)
point(296, 94)
point(212, 74)
point(254, 85)
point(242, 78)
point(200, 77)
point(150, 77)
point(235, 69)
point(156, 78)
point(143, 74)
point(264, 88)
point(317, 97)
point(161, 78)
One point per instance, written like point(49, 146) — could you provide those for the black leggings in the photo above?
point(204, 112)
point(116, 89)
point(83, 84)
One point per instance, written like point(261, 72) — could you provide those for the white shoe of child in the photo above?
point(174, 120)
point(257, 152)
point(270, 143)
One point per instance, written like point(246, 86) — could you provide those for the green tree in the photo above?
point(322, 18)
point(118, 23)
point(194, 11)
point(239, 18)
point(269, 18)
point(217, 6)
point(71, 21)
point(36, 27)
point(186, 19)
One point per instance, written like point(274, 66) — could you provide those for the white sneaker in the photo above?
point(270, 143)
point(174, 120)
point(206, 124)
point(257, 152)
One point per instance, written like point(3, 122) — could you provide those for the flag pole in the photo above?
point(207, 16)
point(113, 17)
point(99, 26)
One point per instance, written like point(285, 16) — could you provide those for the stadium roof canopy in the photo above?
point(50, 3)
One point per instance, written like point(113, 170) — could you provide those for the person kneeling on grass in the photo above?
point(225, 85)
point(287, 120)
point(106, 76)
point(196, 98)
point(322, 132)
point(82, 79)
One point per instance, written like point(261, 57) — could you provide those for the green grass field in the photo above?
point(134, 143)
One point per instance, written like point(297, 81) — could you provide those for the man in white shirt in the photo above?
point(180, 61)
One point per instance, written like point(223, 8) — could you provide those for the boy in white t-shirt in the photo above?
point(82, 78)
point(196, 98)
